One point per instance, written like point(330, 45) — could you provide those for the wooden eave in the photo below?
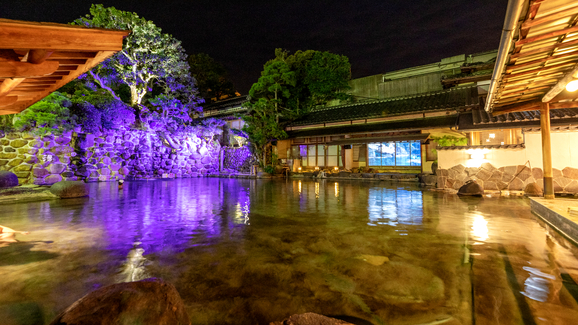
point(38, 58)
point(544, 51)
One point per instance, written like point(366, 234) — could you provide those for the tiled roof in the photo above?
point(226, 103)
point(415, 124)
point(496, 146)
point(450, 99)
point(478, 118)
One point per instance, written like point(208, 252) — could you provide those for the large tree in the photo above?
point(150, 64)
point(212, 79)
point(290, 86)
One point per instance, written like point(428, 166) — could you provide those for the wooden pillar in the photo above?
point(546, 151)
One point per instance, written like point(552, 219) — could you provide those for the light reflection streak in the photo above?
point(480, 228)
point(299, 187)
point(537, 284)
point(336, 189)
point(316, 190)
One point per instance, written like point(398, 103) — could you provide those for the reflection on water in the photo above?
point(537, 284)
point(480, 228)
point(251, 251)
point(387, 206)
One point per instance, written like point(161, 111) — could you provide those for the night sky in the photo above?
point(377, 35)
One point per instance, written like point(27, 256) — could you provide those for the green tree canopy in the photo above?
point(212, 78)
point(290, 86)
point(151, 63)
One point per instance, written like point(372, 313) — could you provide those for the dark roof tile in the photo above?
point(450, 99)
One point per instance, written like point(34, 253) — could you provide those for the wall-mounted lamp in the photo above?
point(572, 86)
point(299, 169)
point(477, 157)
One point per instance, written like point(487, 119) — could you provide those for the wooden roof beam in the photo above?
point(90, 63)
point(559, 46)
point(7, 100)
point(555, 16)
point(542, 70)
point(16, 34)
point(12, 69)
point(559, 87)
point(546, 36)
point(511, 67)
point(8, 85)
point(564, 105)
point(531, 106)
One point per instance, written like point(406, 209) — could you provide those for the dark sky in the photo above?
point(377, 35)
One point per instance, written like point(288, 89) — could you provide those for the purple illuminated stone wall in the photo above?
point(237, 159)
point(111, 155)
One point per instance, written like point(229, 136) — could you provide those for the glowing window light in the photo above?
point(492, 135)
point(572, 86)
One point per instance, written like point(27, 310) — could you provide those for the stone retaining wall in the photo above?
point(113, 155)
point(513, 178)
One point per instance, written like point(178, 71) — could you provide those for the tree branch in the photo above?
point(103, 85)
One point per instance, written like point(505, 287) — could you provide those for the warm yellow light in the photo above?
point(336, 168)
point(572, 86)
point(299, 169)
point(480, 228)
point(316, 168)
point(477, 157)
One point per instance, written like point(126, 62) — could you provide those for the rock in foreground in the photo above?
point(69, 189)
point(310, 319)
point(471, 189)
point(146, 302)
point(8, 179)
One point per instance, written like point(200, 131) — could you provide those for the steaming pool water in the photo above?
point(256, 251)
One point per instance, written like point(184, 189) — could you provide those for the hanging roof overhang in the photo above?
point(38, 58)
point(541, 53)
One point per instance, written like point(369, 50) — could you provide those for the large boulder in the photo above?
point(69, 189)
point(8, 179)
point(310, 319)
point(532, 189)
point(146, 302)
point(471, 188)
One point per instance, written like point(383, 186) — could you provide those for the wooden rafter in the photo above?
point(555, 16)
point(546, 36)
point(548, 69)
point(511, 67)
point(38, 58)
point(559, 47)
point(7, 100)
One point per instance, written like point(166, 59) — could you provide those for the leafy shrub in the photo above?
point(50, 115)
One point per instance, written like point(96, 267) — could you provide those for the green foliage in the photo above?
point(151, 63)
point(290, 86)
point(50, 115)
point(262, 127)
point(447, 141)
point(269, 169)
point(296, 83)
point(212, 78)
